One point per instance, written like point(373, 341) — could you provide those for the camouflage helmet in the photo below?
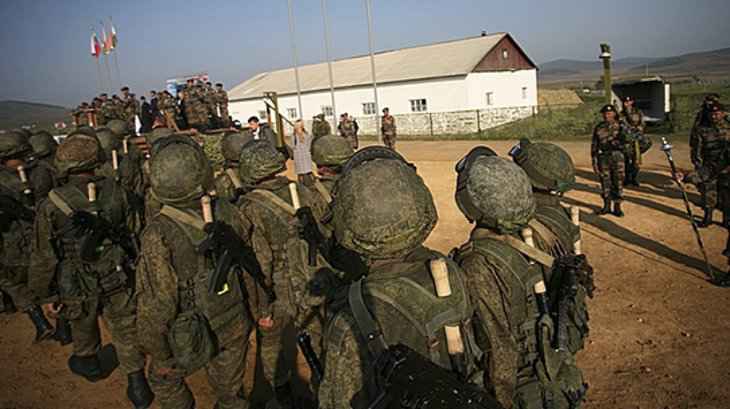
point(179, 171)
point(109, 141)
point(232, 143)
point(159, 133)
point(118, 127)
point(383, 209)
point(24, 132)
point(549, 166)
point(43, 143)
point(331, 150)
point(259, 160)
point(494, 192)
point(78, 153)
point(14, 145)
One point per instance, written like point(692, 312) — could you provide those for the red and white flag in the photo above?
point(95, 46)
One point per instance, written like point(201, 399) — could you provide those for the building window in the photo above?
point(263, 116)
point(368, 108)
point(327, 110)
point(524, 92)
point(490, 99)
point(292, 113)
point(419, 105)
point(505, 54)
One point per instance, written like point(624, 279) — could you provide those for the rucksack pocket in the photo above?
point(192, 342)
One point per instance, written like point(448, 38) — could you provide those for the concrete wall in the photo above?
point(453, 103)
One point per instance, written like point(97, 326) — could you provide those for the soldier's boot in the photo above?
point(606, 206)
point(88, 367)
point(43, 329)
point(617, 209)
point(707, 218)
point(726, 252)
point(63, 332)
point(138, 390)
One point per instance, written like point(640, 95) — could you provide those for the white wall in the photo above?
point(505, 86)
point(442, 95)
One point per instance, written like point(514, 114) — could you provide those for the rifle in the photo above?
point(667, 148)
point(12, 209)
point(93, 230)
point(304, 340)
point(229, 250)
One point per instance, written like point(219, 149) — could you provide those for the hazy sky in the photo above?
point(44, 44)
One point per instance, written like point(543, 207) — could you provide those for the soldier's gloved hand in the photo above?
point(307, 226)
point(220, 232)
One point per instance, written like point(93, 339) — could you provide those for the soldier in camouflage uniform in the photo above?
point(348, 130)
point(210, 103)
point(388, 129)
point(320, 126)
point(508, 288)
point(182, 325)
point(228, 185)
point(708, 143)
point(633, 118)
point(398, 293)
point(607, 156)
point(552, 174)
point(221, 100)
point(44, 152)
point(168, 108)
point(329, 153)
point(93, 278)
point(104, 110)
point(16, 230)
point(274, 231)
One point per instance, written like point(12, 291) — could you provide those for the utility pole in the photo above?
point(606, 57)
point(329, 61)
point(368, 11)
point(295, 58)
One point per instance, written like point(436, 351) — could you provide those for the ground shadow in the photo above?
point(625, 235)
point(661, 185)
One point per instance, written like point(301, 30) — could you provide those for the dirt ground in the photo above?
point(659, 331)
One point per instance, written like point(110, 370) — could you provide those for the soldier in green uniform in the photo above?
point(633, 118)
point(505, 275)
point(329, 153)
point(182, 324)
point(83, 243)
point(274, 229)
point(44, 152)
point(221, 100)
point(398, 301)
point(607, 156)
point(228, 185)
point(552, 174)
point(104, 110)
point(708, 144)
point(210, 104)
point(388, 128)
point(18, 196)
point(320, 126)
point(348, 130)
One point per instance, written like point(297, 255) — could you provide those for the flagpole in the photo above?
point(109, 73)
point(329, 62)
point(295, 58)
point(368, 11)
point(116, 63)
point(98, 75)
point(115, 50)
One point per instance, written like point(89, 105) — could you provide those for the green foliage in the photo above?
point(687, 99)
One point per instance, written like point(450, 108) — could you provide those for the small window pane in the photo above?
point(490, 98)
point(292, 112)
point(368, 108)
point(419, 105)
point(327, 110)
point(262, 115)
point(524, 92)
point(505, 54)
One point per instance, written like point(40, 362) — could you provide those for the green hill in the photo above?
point(14, 114)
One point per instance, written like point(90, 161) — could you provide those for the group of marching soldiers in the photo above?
point(197, 105)
point(186, 263)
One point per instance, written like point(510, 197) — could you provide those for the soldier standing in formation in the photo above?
point(221, 100)
point(708, 145)
point(387, 127)
point(607, 157)
point(348, 129)
point(633, 118)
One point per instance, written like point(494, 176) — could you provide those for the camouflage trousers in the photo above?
point(611, 173)
point(225, 117)
point(279, 352)
point(632, 166)
point(119, 314)
point(709, 193)
point(225, 374)
point(354, 143)
point(389, 140)
point(14, 283)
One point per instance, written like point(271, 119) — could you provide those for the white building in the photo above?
point(451, 87)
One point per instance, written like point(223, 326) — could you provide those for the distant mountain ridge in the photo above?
point(707, 64)
point(14, 114)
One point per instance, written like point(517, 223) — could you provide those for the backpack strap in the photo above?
point(364, 320)
point(322, 190)
point(265, 196)
point(551, 239)
point(60, 203)
point(180, 216)
point(528, 251)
